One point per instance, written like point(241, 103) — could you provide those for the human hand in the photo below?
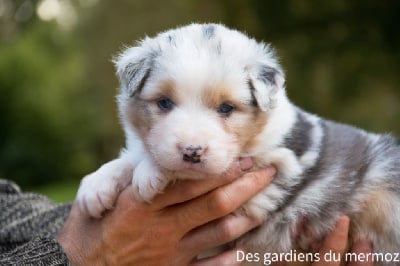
point(337, 242)
point(187, 219)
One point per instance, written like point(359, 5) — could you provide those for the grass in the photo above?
point(57, 192)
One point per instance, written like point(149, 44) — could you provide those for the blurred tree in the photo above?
point(342, 57)
point(41, 109)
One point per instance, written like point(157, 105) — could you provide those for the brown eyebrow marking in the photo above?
point(166, 89)
point(217, 95)
point(214, 96)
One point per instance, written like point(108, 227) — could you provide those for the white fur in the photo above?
point(98, 191)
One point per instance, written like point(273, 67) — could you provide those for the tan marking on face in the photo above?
point(164, 88)
point(247, 133)
point(139, 114)
point(214, 96)
point(142, 111)
point(245, 122)
point(167, 89)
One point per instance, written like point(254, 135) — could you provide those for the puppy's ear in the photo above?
point(133, 66)
point(265, 82)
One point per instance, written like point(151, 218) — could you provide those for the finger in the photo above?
point(361, 246)
point(280, 263)
point(335, 243)
point(221, 201)
point(189, 189)
point(315, 245)
point(226, 258)
point(298, 230)
point(217, 233)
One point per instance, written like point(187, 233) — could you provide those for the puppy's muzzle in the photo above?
point(192, 154)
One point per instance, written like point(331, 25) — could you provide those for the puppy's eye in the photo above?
point(165, 104)
point(225, 109)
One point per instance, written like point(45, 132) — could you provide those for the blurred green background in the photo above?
point(58, 118)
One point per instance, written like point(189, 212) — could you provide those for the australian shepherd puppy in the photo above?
point(194, 99)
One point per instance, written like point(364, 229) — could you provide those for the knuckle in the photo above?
point(220, 202)
point(226, 230)
point(186, 217)
point(257, 178)
point(187, 220)
point(188, 191)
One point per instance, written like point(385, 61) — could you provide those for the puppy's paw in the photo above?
point(147, 181)
point(98, 191)
point(96, 194)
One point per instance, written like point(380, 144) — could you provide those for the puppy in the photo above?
point(194, 99)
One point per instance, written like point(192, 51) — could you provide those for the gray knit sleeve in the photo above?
point(28, 225)
point(38, 251)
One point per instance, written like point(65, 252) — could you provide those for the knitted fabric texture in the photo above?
point(28, 225)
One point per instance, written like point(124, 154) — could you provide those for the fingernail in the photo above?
point(271, 170)
point(343, 219)
point(245, 163)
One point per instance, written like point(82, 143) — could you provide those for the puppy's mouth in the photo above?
point(196, 164)
point(192, 158)
point(193, 154)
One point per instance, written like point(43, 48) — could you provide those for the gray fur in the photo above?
point(135, 74)
point(209, 31)
point(141, 83)
point(172, 40)
point(346, 158)
point(348, 165)
point(298, 139)
point(267, 74)
point(253, 101)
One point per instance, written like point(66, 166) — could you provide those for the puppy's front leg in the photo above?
point(147, 181)
point(99, 190)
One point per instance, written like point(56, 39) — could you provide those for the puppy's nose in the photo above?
point(192, 154)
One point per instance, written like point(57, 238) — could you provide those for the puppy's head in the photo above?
point(198, 95)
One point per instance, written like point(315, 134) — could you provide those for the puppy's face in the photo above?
point(201, 126)
point(195, 99)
